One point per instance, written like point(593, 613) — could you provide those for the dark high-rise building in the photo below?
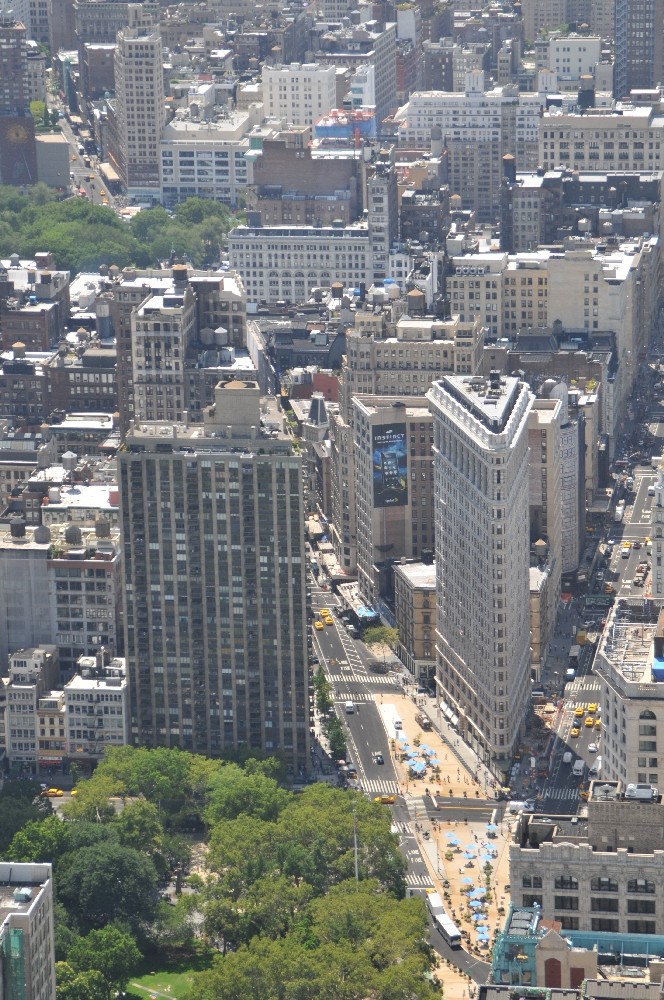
point(639, 45)
point(215, 611)
point(18, 155)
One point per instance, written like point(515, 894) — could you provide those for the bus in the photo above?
point(444, 924)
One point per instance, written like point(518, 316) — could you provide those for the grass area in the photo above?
point(168, 977)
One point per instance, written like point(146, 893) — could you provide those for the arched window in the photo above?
point(647, 715)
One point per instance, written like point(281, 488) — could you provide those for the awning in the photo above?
point(454, 721)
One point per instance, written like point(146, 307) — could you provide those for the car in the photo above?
point(103, 194)
point(609, 588)
point(74, 792)
point(598, 723)
point(319, 626)
point(574, 732)
point(589, 722)
point(592, 708)
point(636, 544)
point(54, 793)
point(378, 758)
point(578, 712)
point(324, 612)
point(328, 619)
point(592, 748)
point(386, 800)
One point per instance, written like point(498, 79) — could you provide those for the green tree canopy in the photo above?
point(111, 951)
point(72, 985)
point(107, 883)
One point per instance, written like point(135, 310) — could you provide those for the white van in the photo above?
point(350, 708)
point(579, 768)
point(567, 757)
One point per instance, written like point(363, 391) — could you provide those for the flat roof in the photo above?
point(418, 574)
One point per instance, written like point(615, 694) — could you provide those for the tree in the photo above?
point(111, 951)
point(46, 838)
point(381, 635)
point(72, 985)
point(38, 111)
point(13, 816)
point(93, 800)
point(139, 826)
point(233, 792)
point(335, 734)
point(323, 692)
point(107, 883)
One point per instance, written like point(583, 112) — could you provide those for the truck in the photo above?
point(574, 654)
point(443, 923)
point(619, 512)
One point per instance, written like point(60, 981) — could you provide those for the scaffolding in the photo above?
point(13, 964)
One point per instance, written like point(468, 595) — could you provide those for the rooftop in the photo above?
point(419, 575)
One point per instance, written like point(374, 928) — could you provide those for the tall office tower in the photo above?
point(18, 155)
point(381, 201)
point(139, 88)
point(482, 561)
point(27, 944)
point(639, 45)
point(215, 625)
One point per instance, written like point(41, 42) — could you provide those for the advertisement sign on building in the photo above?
point(390, 466)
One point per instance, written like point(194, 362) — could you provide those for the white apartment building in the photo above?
point(96, 707)
point(572, 56)
point(27, 941)
point(300, 93)
point(31, 673)
point(286, 262)
point(206, 159)
point(139, 88)
point(478, 128)
point(482, 560)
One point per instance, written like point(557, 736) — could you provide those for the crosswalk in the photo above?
point(419, 879)
point(356, 696)
point(561, 794)
point(380, 786)
point(585, 684)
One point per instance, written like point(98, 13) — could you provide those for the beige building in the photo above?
point(27, 941)
point(52, 730)
point(657, 536)
point(539, 15)
point(396, 358)
point(163, 328)
point(393, 445)
point(602, 139)
point(96, 708)
point(415, 614)
point(32, 672)
point(600, 870)
point(139, 87)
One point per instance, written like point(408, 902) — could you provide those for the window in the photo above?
point(604, 884)
point(641, 906)
point(640, 926)
point(566, 902)
point(531, 899)
point(532, 882)
point(568, 923)
point(640, 885)
point(566, 882)
point(605, 924)
point(604, 905)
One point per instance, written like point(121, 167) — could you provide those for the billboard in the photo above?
point(390, 465)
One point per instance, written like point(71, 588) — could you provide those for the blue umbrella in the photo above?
point(418, 768)
point(453, 842)
point(450, 835)
point(483, 936)
point(433, 761)
point(425, 749)
point(478, 893)
point(476, 904)
point(402, 738)
point(468, 856)
point(467, 880)
point(487, 858)
point(479, 920)
point(471, 847)
point(413, 753)
point(491, 828)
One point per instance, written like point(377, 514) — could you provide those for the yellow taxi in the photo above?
point(592, 708)
point(319, 626)
point(578, 712)
point(325, 613)
point(386, 800)
point(328, 619)
point(598, 723)
point(74, 792)
point(574, 732)
point(54, 793)
point(590, 722)
point(102, 193)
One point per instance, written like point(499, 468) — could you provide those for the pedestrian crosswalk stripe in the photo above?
point(561, 793)
point(380, 786)
point(415, 878)
point(354, 696)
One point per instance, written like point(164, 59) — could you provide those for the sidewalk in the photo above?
point(444, 844)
